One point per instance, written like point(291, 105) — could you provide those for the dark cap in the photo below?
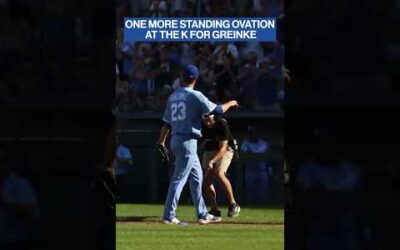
point(190, 72)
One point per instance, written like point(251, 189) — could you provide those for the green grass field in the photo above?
point(139, 227)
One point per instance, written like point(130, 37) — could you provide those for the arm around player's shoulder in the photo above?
point(206, 106)
point(199, 95)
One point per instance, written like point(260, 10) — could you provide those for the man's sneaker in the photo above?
point(233, 210)
point(209, 218)
point(215, 212)
point(174, 221)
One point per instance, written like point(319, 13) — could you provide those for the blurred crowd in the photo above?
point(37, 60)
point(348, 47)
point(147, 73)
point(199, 8)
point(51, 49)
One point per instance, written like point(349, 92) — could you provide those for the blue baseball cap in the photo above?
point(190, 72)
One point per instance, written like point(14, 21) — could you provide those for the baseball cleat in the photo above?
point(174, 221)
point(215, 212)
point(233, 210)
point(209, 218)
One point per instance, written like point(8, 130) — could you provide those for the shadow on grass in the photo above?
point(137, 218)
point(156, 219)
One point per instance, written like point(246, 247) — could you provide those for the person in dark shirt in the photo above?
point(218, 153)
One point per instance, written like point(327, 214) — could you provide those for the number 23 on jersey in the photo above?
point(178, 111)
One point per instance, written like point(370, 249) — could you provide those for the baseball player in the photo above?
point(219, 151)
point(183, 119)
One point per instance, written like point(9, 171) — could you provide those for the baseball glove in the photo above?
point(163, 153)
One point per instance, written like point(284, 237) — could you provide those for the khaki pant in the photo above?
point(221, 165)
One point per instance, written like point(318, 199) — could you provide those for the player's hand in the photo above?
point(210, 165)
point(233, 103)
point(163, 152)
